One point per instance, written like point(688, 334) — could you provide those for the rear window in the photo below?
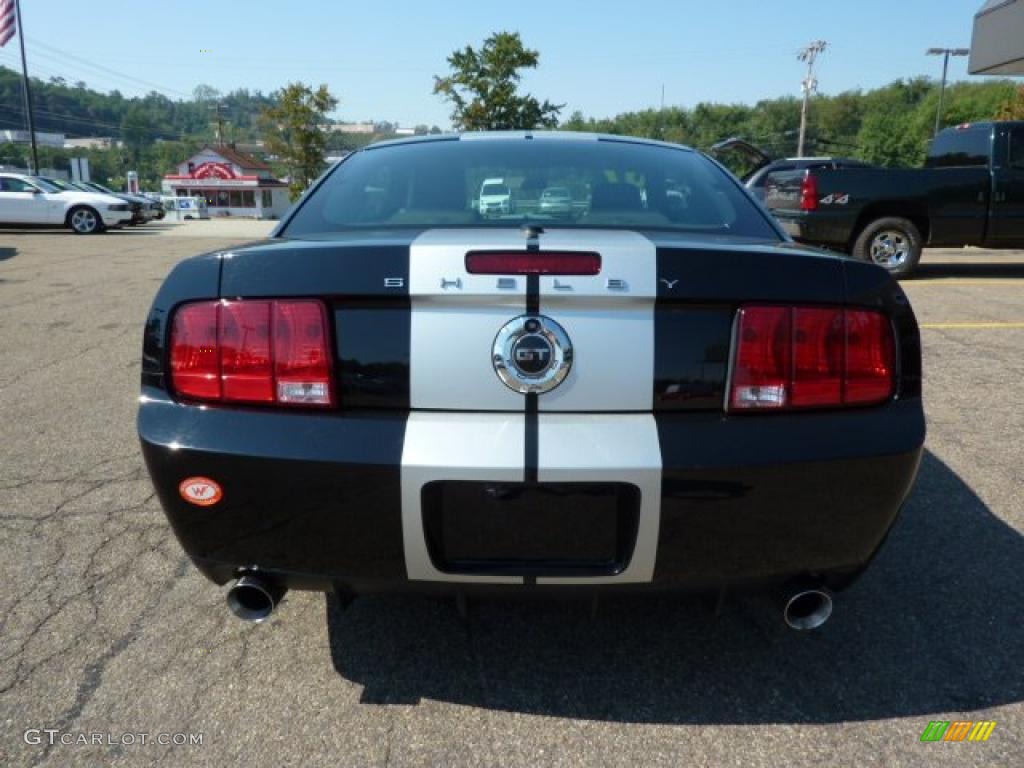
point(960, 147)
point(606, 184)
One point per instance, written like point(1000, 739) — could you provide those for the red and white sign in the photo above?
point(213, 170)
point(201, 491)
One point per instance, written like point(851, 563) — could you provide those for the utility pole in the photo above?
point(219, 117)
point(809, 54)
point(945, 53)
point(661, 115)
point(28, 91)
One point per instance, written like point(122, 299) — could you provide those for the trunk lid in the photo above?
point(414, 329)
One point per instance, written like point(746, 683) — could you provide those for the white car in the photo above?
point(495, 197)
point(556, 200)
point(31, 201)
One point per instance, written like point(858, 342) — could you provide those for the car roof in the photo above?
point(543, 135)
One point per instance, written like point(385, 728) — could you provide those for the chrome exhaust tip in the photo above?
point(807, 609)
point(253, 598)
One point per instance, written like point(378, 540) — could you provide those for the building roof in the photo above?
point(238, 158)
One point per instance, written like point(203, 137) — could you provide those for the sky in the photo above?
point(599, 57)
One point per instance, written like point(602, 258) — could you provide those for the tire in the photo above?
point(891, 242)
point(84, 220)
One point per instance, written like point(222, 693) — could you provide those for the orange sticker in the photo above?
point(200, 490)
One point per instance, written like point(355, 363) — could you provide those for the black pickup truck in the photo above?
point(970, 192)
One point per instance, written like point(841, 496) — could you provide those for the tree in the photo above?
point(205, 93)
point(136, 129)
point(291, 132)
point(1013, 107)
point(483, 87)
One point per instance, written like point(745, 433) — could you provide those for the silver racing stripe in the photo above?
point(454, 446)
point(596, 426)
point(455, 317)
point(607, 448)
point(610, 319)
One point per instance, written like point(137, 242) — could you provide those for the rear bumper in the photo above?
point(317, 499)
point(818, 228)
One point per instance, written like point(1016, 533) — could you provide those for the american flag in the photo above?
point(7, 25)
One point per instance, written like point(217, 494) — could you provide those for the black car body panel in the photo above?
point(314, 499)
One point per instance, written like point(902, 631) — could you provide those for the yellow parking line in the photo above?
point(972, 325)
point(963, 281)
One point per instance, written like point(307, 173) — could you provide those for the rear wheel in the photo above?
point(891, 242)
point(84, 221)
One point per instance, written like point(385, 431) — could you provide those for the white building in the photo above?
point(346, 127)
point(93, 142)
point(42, 139)
point(233, 184)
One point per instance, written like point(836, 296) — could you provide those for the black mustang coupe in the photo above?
point(649, 387)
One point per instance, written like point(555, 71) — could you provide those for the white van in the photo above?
point(181, 208)
point(495, 197)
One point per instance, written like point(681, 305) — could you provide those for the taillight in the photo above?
point(811, 357)
point(533, 263)
point(809, 193)
point(252, 352)
point(302, 368)
point(195, 354)
point(870, 358)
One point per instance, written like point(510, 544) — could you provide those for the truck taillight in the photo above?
point(252, 351)
point(809, 193)
point(811, 357)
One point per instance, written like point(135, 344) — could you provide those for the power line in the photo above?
point(57, 52)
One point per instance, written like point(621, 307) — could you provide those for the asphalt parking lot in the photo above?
point(107, 629)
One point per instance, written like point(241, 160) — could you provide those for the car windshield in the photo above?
point(59, 184)
point(611, 184)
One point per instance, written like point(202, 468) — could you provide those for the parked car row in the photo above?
point(84, 207)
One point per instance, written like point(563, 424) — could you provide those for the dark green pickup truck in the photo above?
point(970, 192)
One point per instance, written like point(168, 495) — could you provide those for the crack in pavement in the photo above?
point(92, 676)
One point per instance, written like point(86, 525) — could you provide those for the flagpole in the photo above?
point(27, 90)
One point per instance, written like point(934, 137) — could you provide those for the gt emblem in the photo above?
point(532, 354)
